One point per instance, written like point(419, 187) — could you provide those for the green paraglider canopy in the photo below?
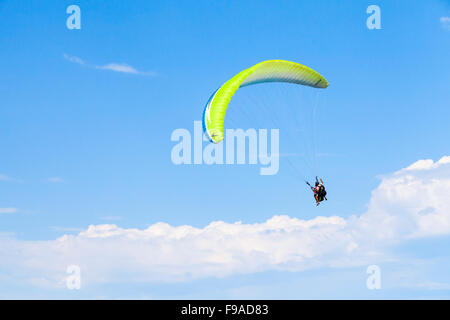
point(266, 71)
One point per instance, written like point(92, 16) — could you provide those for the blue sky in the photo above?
point(84, 144)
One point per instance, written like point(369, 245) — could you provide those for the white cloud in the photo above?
point(409, 203)
point(427, 164)
point(8, 210)
point(412, 202)
point(445, 22)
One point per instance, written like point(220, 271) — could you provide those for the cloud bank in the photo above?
point(408, 204)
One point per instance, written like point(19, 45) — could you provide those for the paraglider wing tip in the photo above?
point(322, 84)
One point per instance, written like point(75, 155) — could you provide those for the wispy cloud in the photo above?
point(125, 68)
point(115, 67)
point(54, 180)
point(119, 68)
point(73, 59)
point(8, 210)
point(5, 178)
point(445, 22)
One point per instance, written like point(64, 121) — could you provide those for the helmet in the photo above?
point(317, 183)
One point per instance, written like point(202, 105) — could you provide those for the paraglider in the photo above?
point(319, 191)
point(266, 71)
